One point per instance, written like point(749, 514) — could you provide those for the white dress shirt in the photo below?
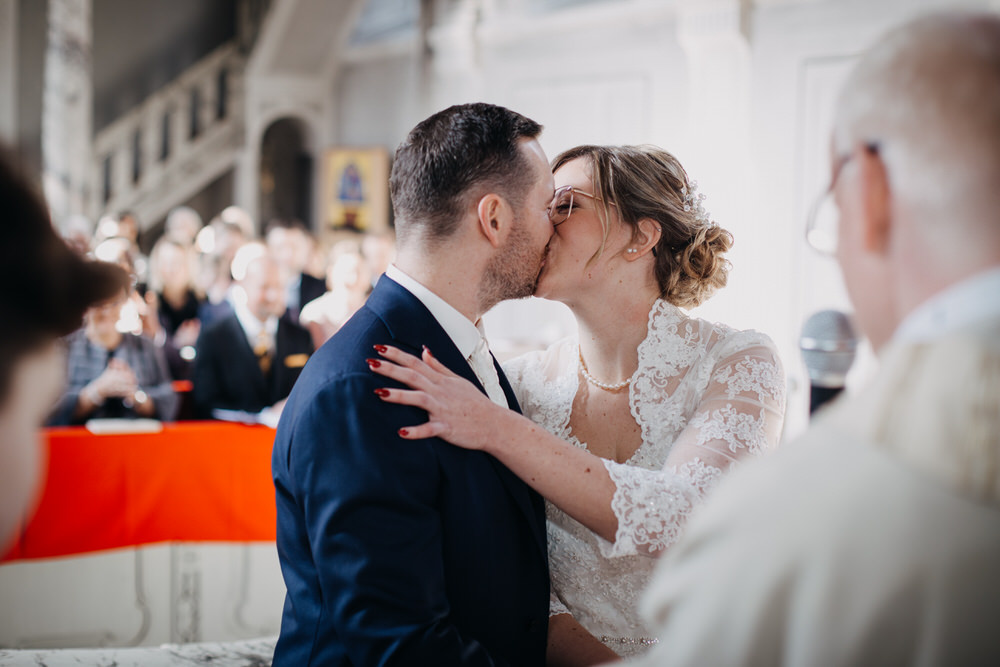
point(253, 327)
point(469, 338)
point(973, 300)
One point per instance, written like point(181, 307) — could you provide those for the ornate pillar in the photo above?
point(67, 109)
point(716, 152)
point(451, 55)
point(8, 71)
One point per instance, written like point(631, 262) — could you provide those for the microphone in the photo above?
point(828, 343)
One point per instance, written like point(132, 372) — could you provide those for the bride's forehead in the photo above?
point(576, 173)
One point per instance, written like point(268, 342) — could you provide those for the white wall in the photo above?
point(741, 92)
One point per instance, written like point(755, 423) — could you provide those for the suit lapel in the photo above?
point(411, 324)
point(533, 500)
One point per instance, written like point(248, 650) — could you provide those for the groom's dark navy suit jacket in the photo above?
point(399, 552)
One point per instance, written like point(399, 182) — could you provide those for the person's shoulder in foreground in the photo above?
point(875, 539)
point(47, 289)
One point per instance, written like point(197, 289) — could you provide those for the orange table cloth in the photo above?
point(193, 481)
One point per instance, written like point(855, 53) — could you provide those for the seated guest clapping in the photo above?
point(248, 360)
point(111, 374)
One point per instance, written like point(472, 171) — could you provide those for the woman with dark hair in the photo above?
point(46, 289)
point(642, 412)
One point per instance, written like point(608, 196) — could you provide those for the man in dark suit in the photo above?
point(249, 359)
point(420, 553)
point(290, 243)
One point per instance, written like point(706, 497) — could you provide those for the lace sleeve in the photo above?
point(739, 415)
point(556, 606)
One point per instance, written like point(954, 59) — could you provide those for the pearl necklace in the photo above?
point(618, 386)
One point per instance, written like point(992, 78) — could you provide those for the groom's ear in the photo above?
point(495, 217)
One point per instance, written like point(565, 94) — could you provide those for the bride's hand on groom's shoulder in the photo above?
point(457, 411)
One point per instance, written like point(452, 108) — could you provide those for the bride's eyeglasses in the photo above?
point(562, 203)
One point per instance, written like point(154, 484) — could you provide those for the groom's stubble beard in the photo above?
point(513, 272)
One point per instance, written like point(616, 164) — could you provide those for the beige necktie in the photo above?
point(481, 362)
point(263, 351)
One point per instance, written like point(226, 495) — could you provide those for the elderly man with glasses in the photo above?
point(876, 539)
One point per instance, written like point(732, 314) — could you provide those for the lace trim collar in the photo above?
point(663, 317)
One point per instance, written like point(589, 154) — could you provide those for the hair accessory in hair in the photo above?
point(693, 202)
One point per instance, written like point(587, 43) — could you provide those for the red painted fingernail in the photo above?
point(426, 349)
point(382, 393)
point(374, 363)
point(404, 432)
point(381, 349)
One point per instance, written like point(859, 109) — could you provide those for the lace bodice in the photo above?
point(705, 396)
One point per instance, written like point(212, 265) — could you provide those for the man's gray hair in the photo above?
point(928, 95)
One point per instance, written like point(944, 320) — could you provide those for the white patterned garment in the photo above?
point(705, 396)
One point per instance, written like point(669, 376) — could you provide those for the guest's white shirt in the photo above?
point(251, 325)
point(973, 300)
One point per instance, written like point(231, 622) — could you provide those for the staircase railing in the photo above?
point(175, 142)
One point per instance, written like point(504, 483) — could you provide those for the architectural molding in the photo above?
point(152, 168)
point(67, 109)
point(8, 70)
point(520, 26)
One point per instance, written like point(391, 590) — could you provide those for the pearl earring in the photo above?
point(631, 251)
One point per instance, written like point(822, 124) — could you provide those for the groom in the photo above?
point(420, 553)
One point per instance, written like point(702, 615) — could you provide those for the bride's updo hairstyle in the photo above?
point(648, 182)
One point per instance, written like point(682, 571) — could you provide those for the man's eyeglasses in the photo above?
point(821, 224)
point(562, 203)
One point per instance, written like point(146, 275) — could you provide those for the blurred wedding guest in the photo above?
point(182, 225)
point(240, 218)
point(177, 304)
point(247, 361)
point(875, 540)
point(128, 227)
point(217, 244)
point(113, 374)
point(289, 243)
point(48, 287)
point(378, 249)
point(125, 225)
point(138, 313)
point(349, 279)
point(78, 232)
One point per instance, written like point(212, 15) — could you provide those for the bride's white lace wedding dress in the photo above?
point(705, 396)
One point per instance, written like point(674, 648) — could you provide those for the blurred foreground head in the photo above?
point(915, 159)
point(46, 288)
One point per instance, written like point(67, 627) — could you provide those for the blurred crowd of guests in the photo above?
point(216, 323)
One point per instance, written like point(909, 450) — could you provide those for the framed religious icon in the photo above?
point(355, 190)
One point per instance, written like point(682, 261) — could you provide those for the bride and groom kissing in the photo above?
point(435, 508)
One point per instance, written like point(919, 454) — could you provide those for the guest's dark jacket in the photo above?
point(398, 552)
point(228, 376)
point(310, 287)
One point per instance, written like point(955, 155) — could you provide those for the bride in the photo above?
point(641, 413)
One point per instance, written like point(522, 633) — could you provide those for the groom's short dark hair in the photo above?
point(464, 151)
